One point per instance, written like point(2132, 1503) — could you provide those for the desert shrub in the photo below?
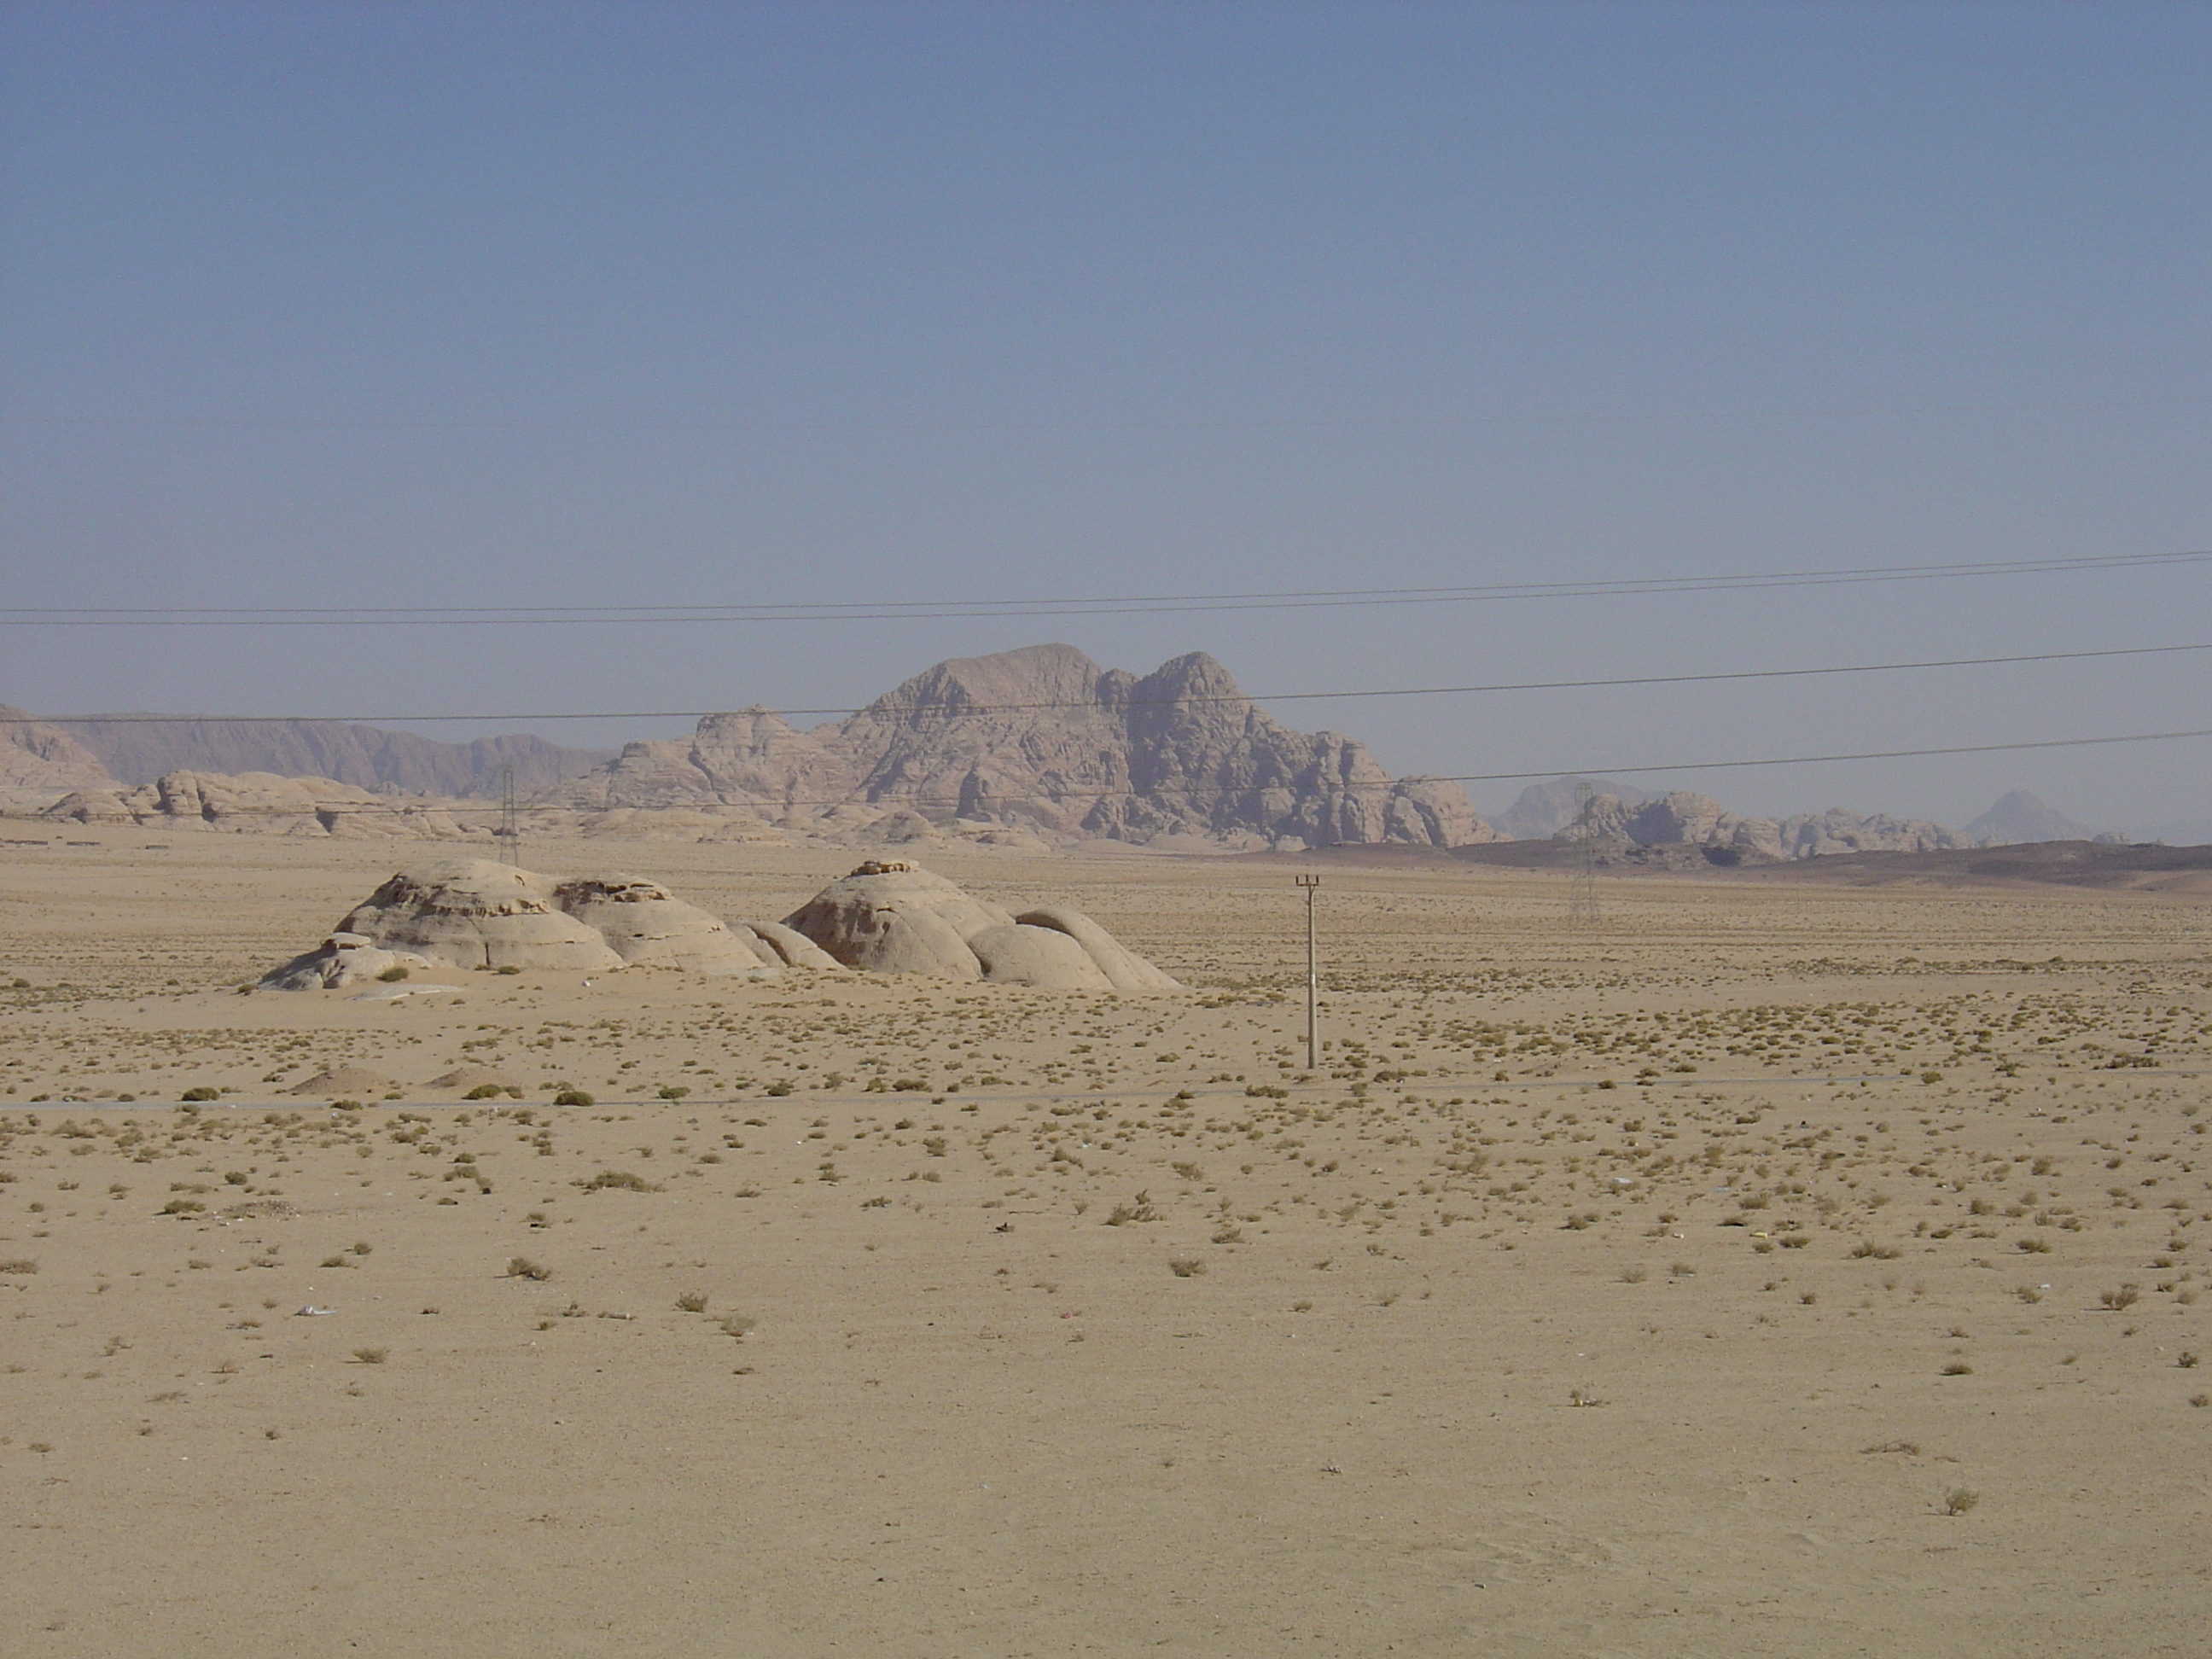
point(393, 975)
point(203, 1092)
point(521, 1267)
point(571, 1097)
point(484, 1091)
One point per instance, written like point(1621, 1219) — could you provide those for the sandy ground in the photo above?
point(1759, 1272)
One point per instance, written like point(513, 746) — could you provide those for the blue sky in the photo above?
point(322, 304)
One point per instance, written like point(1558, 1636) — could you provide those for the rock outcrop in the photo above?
point(341, 960)
point(1683, 819)
point(894, 917)
point(472, 913)
point(263, 804)
point(1045, 740)
point(40, 763)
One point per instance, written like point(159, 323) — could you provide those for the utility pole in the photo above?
point(509, 833)
point(1312, 885)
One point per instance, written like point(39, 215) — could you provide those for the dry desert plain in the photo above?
point(1771, 1269)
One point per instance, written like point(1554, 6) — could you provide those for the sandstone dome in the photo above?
point(474, 913)
point(890, 916)
point(643, 923)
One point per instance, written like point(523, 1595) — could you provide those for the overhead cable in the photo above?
point(1200, 700)
point(1140, 605)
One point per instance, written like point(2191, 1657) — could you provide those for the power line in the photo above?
point(1134, 702)
point(1818, 760)
point(1141, 604)
point(1398, 422)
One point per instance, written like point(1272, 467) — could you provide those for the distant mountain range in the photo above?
point(1040, 741)
point(137, 751)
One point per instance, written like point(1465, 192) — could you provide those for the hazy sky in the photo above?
point(474, 303)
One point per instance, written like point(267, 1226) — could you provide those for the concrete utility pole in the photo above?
point(1312, 885)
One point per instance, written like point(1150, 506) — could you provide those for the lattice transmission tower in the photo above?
point(1582, 881)
point(509, 833)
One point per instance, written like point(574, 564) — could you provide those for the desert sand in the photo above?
point(1766, 1270)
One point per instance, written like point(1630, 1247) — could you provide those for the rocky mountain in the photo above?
point(1545, 809)
point(138, 751)
point(1683, 819)
point(39, 762)
point(1044, 738)
point(2020, 817)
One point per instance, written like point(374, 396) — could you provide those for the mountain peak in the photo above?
point(2018, 816)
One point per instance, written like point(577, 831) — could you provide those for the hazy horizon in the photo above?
point(346, 305)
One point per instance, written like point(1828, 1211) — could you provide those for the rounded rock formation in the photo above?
point(472, 913)
point(340, 960)
point(890, 916)
point(644, 924)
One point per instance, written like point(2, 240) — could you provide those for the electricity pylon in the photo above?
point(509, 833)
point(1582, 890)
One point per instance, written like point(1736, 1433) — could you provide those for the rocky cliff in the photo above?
point(1045, 738)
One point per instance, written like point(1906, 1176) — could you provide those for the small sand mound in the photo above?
point(345, 1083)
point(458, 1083)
